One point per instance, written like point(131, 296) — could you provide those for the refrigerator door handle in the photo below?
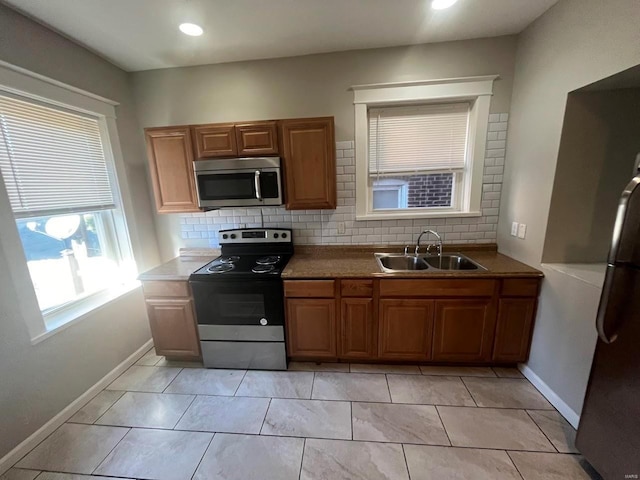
point(603, 309)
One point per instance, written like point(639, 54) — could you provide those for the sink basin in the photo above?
point(453, 261)
point(390, 262)
point(398, 262)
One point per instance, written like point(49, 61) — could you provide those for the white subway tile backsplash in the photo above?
point(344, 145)
point(320, 227)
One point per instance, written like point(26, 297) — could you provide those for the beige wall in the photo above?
point(598, 148)
point(575, 43)
point(308, 86)
point(38, 381)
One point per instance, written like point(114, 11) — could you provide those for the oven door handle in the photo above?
point(257, 182)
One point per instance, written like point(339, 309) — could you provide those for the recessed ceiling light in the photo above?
point(442, 4)
point(191, 29)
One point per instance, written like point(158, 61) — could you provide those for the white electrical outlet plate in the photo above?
point(342, 230)
point(522, 230)
point(514, 229)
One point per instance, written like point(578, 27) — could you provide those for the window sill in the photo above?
point(61, 320)
point(406, 215)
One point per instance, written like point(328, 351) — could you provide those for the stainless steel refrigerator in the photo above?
point(609, 430)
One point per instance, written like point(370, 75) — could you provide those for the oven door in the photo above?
point(236, 188)
point(239, 310)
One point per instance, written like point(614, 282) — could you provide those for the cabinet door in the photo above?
point(311, 327)
point(513, 332)
point(218, 140)
point(173, 327)
point(171, 168)
point(258, 138)
point(406, 329)
point(463, 330)
point(358, 332)
point(309, 153)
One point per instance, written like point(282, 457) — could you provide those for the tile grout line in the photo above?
point(351, 414)
point(387, 442)
point(386, 379)
point(470, 394)
point(443, 426)
point(112, 405)
point(205, 452)
point(185, 412)
point(514, 464)
point(265, 417)
point(543, 432)
point(313, 384)
point(172, 380)
point(111, 451)
point(238, 387)
point(304, 447)
point(406, 463)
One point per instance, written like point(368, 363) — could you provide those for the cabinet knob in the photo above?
point(263, 321)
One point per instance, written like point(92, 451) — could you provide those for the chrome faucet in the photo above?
point(438, 245)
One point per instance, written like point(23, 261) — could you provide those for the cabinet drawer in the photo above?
point(437, 288)
point(520, 287)
point(356, 288)
point(163, 288)
point(309, 288)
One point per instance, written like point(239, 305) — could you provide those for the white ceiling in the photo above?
point(143, 34)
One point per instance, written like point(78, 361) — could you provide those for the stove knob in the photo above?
point(263, 321)
point(284, 235)
point(225, 236)
point(233, 235)
point(275, 235)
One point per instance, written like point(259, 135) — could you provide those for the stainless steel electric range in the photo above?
point(239, 300)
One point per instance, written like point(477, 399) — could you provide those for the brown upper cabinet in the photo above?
point(306, 146)
point(257, 138)
point(171, 167)
point(309, 153)
point(235, 139)
point(217, 140)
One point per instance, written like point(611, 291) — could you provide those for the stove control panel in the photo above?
point(255, 235)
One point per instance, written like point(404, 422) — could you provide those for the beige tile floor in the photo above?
point(164, 420)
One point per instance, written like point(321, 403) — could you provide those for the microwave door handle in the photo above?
point(257, 182)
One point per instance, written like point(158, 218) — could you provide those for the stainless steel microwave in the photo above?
point(238, 182)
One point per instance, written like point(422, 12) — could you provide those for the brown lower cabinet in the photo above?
point(358, 337)
point(463, 330)
point(172, 319)
point(406, 329)
point(311, 328)
point(513, 332)
point(373, 322)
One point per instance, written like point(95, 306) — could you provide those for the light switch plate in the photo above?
point(514, 229)
point(522, 230)
point(341, 228)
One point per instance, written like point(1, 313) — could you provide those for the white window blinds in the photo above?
point(418, 138)
point(51, 160)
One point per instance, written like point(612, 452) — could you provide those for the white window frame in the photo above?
point(24, 83)
point(468, 187)
point(399, 186)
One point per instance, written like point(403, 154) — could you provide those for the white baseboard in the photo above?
point(565, 410)
point(48, 428)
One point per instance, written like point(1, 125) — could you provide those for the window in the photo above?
point(420, 148)
point(63, 196)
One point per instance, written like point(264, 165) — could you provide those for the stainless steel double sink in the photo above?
point(399, 262)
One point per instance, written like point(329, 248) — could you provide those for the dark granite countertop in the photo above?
point(180, 267)
point(359, 262)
